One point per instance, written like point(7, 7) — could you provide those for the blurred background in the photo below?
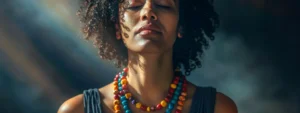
point(44, 60)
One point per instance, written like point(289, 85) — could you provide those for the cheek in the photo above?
point(170, 23)
point(127, 23)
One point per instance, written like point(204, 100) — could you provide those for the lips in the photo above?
point(149, 29)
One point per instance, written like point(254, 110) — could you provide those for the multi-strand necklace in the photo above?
point(176, 95)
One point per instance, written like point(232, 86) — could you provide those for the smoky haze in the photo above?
point(253, 60)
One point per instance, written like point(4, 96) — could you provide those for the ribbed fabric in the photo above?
point(203, 100)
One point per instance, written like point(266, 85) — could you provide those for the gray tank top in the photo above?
point(203, 100)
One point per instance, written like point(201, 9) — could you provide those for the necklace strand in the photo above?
point(177, 93)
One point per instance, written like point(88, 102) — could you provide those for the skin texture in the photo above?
point(150, 64)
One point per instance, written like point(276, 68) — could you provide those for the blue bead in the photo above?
point(127, 111)
point(173, 101)
point(179, 84)
point(125, 107)
point(168, 111)
point(170, 106)
point(177, 93)
point(120, 88)
point(123, 98)
point(124, 102)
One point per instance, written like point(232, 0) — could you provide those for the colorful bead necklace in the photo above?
point(177, 93)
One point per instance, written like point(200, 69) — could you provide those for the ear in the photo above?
point(179, 35)
point(118, 31)
point(179, 32)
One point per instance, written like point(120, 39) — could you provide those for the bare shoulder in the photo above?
point(224, 104)
point(72, 105)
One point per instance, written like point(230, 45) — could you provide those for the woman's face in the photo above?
point(148, 26)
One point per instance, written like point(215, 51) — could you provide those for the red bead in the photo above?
point(125, 70)
point(184, 89)
point(115, 79)
point(167, 100)
point(124, 86)
point(121, 92)
point(143, 107)
point(169, 95)
point(158, 107)
point(116, 97)
point(177, 78)
point(125, 91)
point(175, 81)
point(171, 90)
point(185, 81)
point(184, 85)
point(177, 111)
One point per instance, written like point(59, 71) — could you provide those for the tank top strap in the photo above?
point(203, 100)
point(92, 101)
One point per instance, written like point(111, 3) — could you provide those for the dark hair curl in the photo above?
point(197, 18)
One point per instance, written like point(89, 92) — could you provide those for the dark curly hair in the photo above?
point(197, 18)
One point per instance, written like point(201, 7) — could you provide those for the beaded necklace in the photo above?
point(122, 96)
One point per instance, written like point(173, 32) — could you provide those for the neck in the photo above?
point(149, 76)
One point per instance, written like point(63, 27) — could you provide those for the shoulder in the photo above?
point(72, 105)
point(224, 104)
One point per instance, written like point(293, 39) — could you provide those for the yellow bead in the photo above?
point(117, 107)
point(116, 102)
point(138, 105)
point(163, 103)
point(173, 86)
point(128, 95)
point(179, 107)
point(148, 109)
point(123, 81)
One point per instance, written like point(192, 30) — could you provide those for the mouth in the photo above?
point(149, 29)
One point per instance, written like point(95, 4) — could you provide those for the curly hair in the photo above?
point(197, 20)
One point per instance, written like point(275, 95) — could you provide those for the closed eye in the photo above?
point(163, 6)
point(134, 8)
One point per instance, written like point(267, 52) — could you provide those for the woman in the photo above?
point(152, 40)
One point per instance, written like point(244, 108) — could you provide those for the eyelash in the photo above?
point(138, 7)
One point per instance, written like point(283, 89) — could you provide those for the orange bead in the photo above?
point(117, 107)
point(117, 111)
point(173, 86)
point(116, 83)
point(115, 88)
point(183, 93)
point(180, 103)
point(116, 102)
point(179, 107)
point(123, 81)
point(182, 98)
point(128, 95)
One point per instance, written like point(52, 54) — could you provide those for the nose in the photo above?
point(147, 12)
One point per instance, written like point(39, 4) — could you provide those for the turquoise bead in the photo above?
point(128, 111)
point(170, 106)
point(123, 98)
point(124, 102)
point(177, 93)
point(120, 88)
point(168, 111)
point(125, 107)
point(173, 101)
point(179, 84)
